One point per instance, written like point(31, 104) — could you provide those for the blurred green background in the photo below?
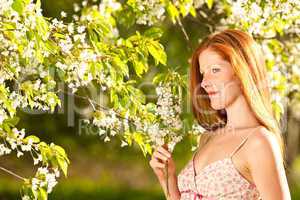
point(106, 171)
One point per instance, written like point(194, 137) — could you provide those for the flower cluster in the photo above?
point(168, 111)
point(266, 20)
point(150, 12)
point(43, 183)
point(4, 150)
point(155, 11)
point(26, 82)
point(107, 121)
point(45, 178)
point(160, 125)
point(15, 140)
point(160, 136)
point(168, 106)
point(5, 5)
point(197, 129)
point(107, 7)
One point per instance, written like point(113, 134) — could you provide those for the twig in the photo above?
point(90, 101)
point(93, 103)
point(12, 173)
point(167, 177)
point(184, 33)
point(167, 174)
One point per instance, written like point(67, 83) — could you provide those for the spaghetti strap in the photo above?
point(240, 145)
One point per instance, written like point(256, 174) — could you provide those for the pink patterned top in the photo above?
point(218, 180)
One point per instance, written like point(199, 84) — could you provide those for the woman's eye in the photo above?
point(214, 70)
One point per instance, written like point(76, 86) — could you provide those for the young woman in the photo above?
point(240, 156)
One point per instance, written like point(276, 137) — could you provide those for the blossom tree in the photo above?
point(38, 53)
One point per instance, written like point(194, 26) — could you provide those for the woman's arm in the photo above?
point(266, 167)
point(174, 193)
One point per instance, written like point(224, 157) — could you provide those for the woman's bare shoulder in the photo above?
point(262, 145)
point(263, 138)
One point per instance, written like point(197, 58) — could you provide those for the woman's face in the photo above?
point(219, 79)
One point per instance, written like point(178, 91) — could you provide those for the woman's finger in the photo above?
point(164, 151)
point(159, 155)
point(156, 164)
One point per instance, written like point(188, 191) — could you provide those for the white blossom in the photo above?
point(123, 144)
point(84, 3)
point(76, 7)
point(63, 14)
point(4, 150)
point(26, 197)
point(19, 154)
point(81, 29)
point(106, 139)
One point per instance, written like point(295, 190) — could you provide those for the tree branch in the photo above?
point(12, 173)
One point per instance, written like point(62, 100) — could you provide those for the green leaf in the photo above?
point(60, 150)
point(139, 139)
point(114, 96)
point(59, 35)
point(128, 137)
point(61, 74)
point(18, 6)
point(158, 78)
point(172, 11)
point(6, 128)
point(148, 148)
point(139, 67)
point(63, 164)
point(209, 3)
point(42, 194)
point(157, 51)
point(279, 26)
point(150, 107)
point(118, 63)
point(27, 87)
point(193, 11)
point(278, 109)
point(27, 189)
point(52, 100)
point(113, 73)
point(33, 138)
point(42, 26)
point(61, 158)
point(153, 32)
point(38, 4)
point(45, 152)
point(270, 64)
point(183, 10)
point(12, 122)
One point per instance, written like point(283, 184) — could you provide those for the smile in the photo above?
point(212, 93)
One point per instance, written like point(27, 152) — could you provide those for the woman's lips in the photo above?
point(212, 93)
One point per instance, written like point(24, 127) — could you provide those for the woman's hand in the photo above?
point(160, 157)
point(158, 163)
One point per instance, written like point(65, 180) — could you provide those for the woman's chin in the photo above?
point(217, 106)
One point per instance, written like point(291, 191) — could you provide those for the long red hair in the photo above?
point(247, 61)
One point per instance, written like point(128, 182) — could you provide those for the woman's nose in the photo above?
point(205, 83)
